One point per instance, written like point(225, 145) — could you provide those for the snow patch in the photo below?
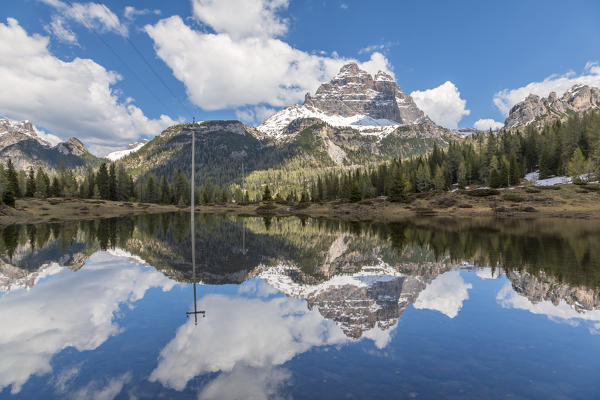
point(275, 125)
point(132, 148)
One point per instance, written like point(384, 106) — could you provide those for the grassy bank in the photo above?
point(29, 211)
point(564, 201)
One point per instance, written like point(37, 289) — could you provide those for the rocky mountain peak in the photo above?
point(355, 92)
point(14, 131)
point(543, 110)
point(353, 98)
point(72, 146)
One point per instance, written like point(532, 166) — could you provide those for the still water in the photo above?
point(300, 309)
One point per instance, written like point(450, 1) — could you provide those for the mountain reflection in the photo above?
point(302, 284)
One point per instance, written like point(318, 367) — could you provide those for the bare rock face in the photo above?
point(547, 288)
point(72, 146)
point(355, 92)
point(540, 110)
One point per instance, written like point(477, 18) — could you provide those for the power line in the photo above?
point(129, 68)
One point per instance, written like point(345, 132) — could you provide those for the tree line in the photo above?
point(497, 160)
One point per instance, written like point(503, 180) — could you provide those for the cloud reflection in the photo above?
point(242, 332)
point(71, 309)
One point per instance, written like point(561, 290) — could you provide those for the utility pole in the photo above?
point(193, 233)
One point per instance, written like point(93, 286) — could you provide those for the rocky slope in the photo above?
point(541, 111)
point(542, 287)
point(353, 98)
point(24, 145)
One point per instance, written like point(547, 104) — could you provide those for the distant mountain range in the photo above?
point(540, 111)
point(25, 146)
point(354, 119)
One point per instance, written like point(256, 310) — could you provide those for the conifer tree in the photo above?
point(267, 194)
point(30, 184)
point(112, 182)
point(12, 180)
point(102, 180)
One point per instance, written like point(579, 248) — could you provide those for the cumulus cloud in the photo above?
point(442, 104)
point(41, 322)
point(247, 383)
point(255, 115)
point(93, 16)
point(446, 294)
point(486, 124)
point(242, 332)
point(507, 98)
point(74, 98)
point(100, 390)
point(243, 64)
point(60, 30)
point(562, 312)
point(132, 13)
point(253, 18)
point(371, 48)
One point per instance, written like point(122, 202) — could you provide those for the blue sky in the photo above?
point(243, 59)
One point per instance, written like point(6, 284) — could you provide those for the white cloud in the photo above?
point(507, 98)
point(446, 294)
point(132, 13)
point(255, 115)
point(344, 6)
point(74, 98)
point(242, 332)
point(372, 48)
point(227, 71)
point(562, 312)
point(242, 18)
point(442, 104)
point(61, 31)
point(41, 322)
point(486, 124)
point(94, 16)
point(99, 390)
point(247, 383)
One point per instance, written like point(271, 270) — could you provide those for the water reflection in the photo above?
point(277, 292)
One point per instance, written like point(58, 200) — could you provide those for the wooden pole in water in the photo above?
point(193, 229)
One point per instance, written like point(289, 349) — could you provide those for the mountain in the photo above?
point(353, 98)
point(25, 146)
point(541, 111)
point(132, 148)
point(354, 120)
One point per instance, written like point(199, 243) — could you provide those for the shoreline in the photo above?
point(568, 201)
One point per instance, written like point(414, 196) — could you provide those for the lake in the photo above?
point(300, 309)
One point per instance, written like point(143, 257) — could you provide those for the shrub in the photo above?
point(482, 192)
point(514, 197)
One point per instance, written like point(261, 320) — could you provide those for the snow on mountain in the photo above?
point(132, 148)
point(276, 124)
point(353, 98)
point(28, 129)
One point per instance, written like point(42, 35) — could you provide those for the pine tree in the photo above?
point(355, 192)
point(398, 186)
point(12, 180)
point(151, 190)
point(55, 188)
point(112, 182)
point(30, 185)
point(9, 197)
point(165, 195)
point(267, 194)
point(42, 183)
point(103, 182)
point(577, 164)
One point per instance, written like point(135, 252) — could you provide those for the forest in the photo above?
point(487, 159)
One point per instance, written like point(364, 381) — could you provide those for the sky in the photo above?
point(114, 71)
